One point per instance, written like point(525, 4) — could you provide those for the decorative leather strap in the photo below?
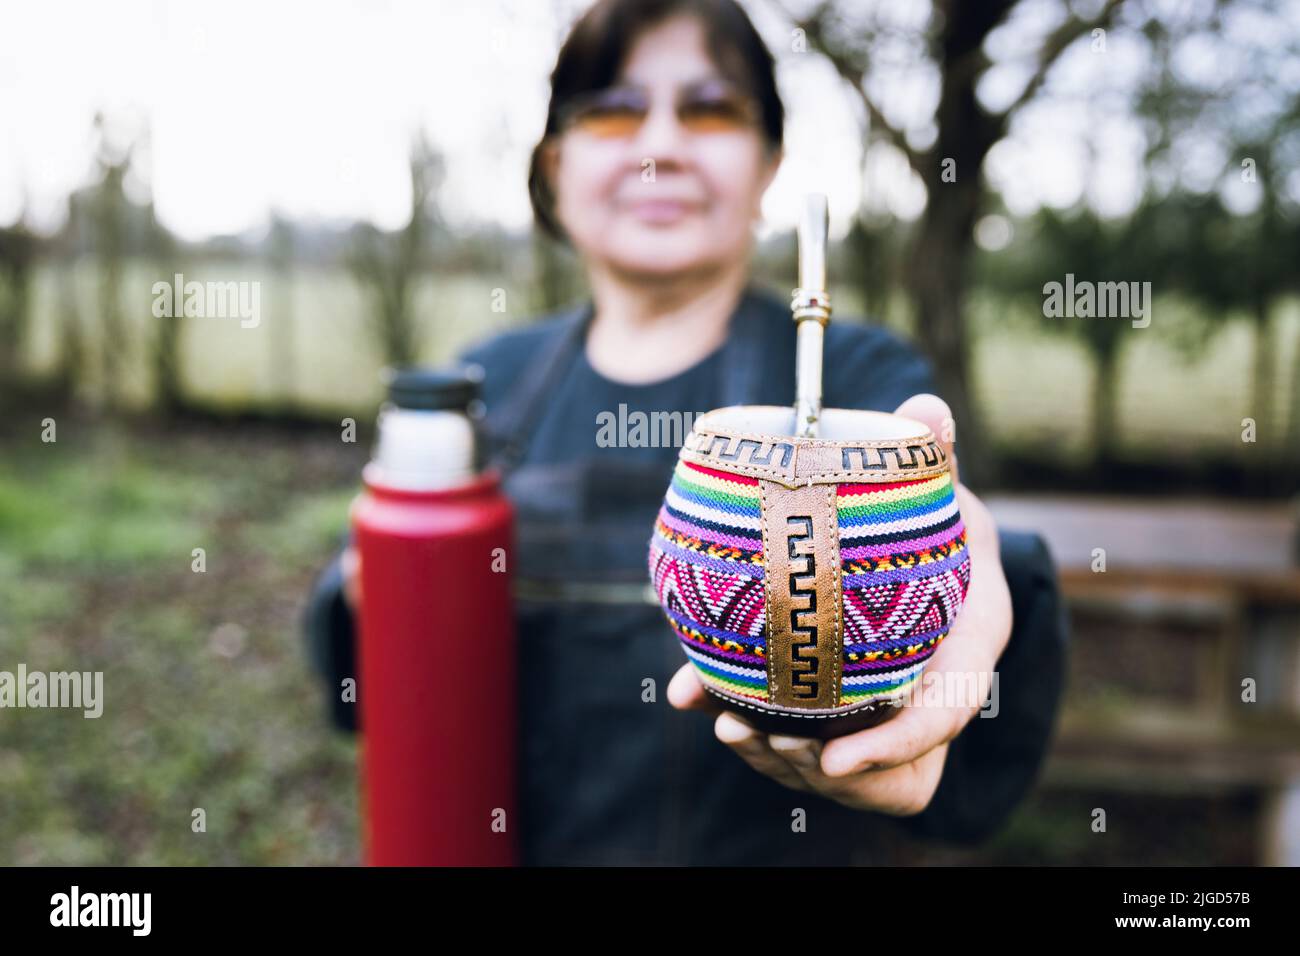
point(803, 461)
point(803, 594)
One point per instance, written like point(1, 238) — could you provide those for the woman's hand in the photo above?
point(894, 767)
point(350, 560)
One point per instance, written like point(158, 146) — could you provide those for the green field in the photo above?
point(312, 346)
point(208, 699)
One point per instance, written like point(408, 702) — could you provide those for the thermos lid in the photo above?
point(426, 438)
point(432, 389)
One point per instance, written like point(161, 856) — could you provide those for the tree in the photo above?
point(18, 248)
point(110, 212)
point(282, 352)
point(387, 264)
point(1238, 132)
point(951, 44)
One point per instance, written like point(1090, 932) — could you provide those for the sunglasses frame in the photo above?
point(584, 106)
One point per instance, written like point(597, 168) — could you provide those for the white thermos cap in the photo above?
point(425, 436)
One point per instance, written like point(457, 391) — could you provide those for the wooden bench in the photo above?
point(1226, 576)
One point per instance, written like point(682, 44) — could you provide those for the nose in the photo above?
point(662, 137)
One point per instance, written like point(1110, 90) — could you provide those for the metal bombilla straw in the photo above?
point(811, 308)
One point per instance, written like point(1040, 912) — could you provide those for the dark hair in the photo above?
point(594, 51)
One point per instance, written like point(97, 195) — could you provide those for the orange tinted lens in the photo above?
point(610, 121)
point(720, 115)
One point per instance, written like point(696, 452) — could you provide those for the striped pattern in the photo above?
point(905, 568)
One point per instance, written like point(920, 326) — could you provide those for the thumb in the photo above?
point(933, 411)
point(685, 692)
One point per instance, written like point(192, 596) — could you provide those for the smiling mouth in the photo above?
point(660, 210)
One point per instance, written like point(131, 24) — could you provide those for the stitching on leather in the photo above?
point(819, 477)
point(833, 529)
point(768, 439)
point(763, 520)
point(768, 711)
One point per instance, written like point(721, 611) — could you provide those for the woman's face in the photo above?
point(673, 193)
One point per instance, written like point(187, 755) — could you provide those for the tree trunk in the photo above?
point(17, 264)
point(552, 278)
point(937, 290)
point(936, 273)
point(937, 270)
point(1291, 450)
point(72, 354)
point(168, 394)
point(1105, 407)
point(1262, 389)
point(14, 303)
point(282, 353)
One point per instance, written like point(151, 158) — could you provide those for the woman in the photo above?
point(664, 131)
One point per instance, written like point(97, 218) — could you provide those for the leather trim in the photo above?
point(802, 590)
point(794, 462)
point(793, 723)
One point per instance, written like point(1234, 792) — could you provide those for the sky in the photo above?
point(308, 109)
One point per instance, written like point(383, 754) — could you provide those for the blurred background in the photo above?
point(364, 163)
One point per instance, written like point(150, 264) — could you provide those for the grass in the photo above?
point(208, 700)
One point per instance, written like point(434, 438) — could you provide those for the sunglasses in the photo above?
point(618, 112)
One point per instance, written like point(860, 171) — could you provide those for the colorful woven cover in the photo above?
point(809, 578)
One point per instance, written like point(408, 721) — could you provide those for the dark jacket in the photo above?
point(608, 778)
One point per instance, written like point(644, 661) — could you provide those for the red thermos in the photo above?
point(436, 653)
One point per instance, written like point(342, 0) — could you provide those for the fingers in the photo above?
point(897, 791)
point(350, 562)
point(981, 528)
point(896, 784)
point(934, 412)
point(804, 757)
point(982, 627)
point(917, 729)
point(902, 791)
point(686, 692)
point(957, 677)
point(754, 749)
point(831, 768)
